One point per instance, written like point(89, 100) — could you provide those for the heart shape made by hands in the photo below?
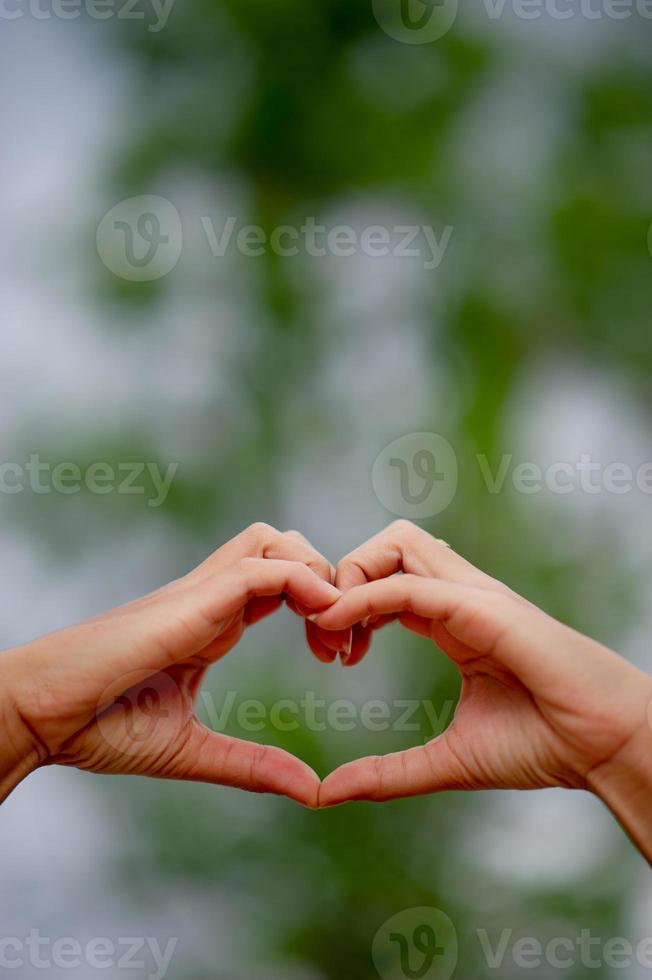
point(515, 727)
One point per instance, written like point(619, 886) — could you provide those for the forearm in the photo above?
point(625, 786)
point(19, 753)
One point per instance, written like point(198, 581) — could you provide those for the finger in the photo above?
point(261, 540)
point(323, 653)
point(360, 643)
point(405, 547)
point(425, 769)
point(551, 660)
point(326, 652)
point(293, 546)
point(211, 757)
point(337, 641)
point(348, 574)
point(294, 580)
point(261, 607)
point(361, 639)
point(296, 547)
point(325, 646)
point(186, 621)
point(264, 541)
point(397, 594)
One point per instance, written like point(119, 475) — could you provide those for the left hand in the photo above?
point(116, 694)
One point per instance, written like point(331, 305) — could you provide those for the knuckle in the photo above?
point(499, 602)
point(378, 764)
point(257, 764)
point(248, 568)
point(323, 568)
point(404, 529)
point(248, 563)
point(260, 531)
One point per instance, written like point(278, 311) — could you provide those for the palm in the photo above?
point(533, 711)
point(522, 730)
point(501, 739)
point(139, 719)
point(117, 693)
point(143, 731)
point(146, 729)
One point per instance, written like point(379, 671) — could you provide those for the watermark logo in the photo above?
point(416, 944)
point(141, 238)
point(415, 21)
point(416, 475)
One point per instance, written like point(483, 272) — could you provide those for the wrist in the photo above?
point(20, 750)
point(624, 784)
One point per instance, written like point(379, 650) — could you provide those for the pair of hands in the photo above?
point(541, 704)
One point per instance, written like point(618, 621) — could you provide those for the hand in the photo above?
point(116, 694)
point(541, 704)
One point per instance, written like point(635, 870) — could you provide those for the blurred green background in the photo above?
point(275, 382)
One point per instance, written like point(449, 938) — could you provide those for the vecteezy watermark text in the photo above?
point(99, 953)
point(141, 239)
point(416, 476)
point(426, 21)
point(155, 13)
point(564, 952)
point(584, 474)
point(340, 241)
point(423, 943)
point(316, 714)
point(134, 478)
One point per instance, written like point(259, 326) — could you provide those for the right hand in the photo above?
point(541, 704)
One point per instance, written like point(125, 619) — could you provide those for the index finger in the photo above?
point(406, 547)
point(552, 660)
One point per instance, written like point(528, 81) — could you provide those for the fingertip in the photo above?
point(328, 597)
point(360, 643)
point(343, 785)
point(324, 618)
point(296, 780)
point(319, 650)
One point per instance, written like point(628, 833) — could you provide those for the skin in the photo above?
point(117, 694)
point(541, 704)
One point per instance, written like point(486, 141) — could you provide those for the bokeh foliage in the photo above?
point(303, 107)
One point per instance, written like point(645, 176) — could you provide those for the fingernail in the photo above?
point(313, 617)
point(365, 622)
point(345, 651)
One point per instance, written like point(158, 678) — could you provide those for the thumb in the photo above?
point(426, 768)
point(210, 757)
